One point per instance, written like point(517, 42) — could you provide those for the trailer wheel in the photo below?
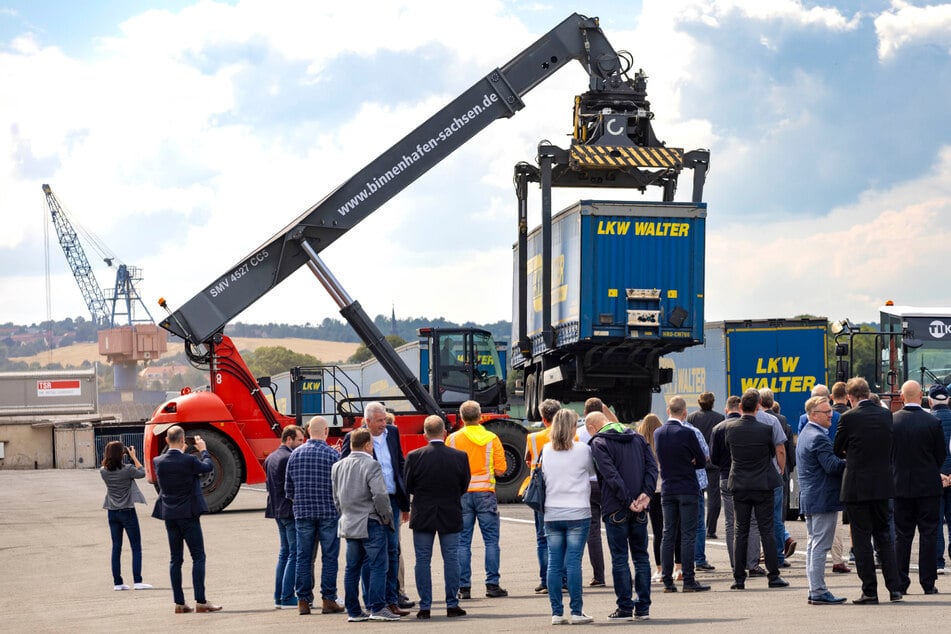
point(531, 395)
point(220, 486)
point(513, 436)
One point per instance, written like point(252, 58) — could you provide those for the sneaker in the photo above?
point(941, 570)
point(359, 618)
point(657, 577)
point(642, 617)
point(559, 619)
point(142, 586)
point(620, 615)
point(465, 592)
point(578, 619)
point(596, 583)
point(541, 589)
point(384, 614)
point(121, 586)
point(679, 575)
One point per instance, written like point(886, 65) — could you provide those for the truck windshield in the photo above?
point(930, 363)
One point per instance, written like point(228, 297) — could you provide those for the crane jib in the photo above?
point(496, 95)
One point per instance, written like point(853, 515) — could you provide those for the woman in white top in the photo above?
point(567, 466)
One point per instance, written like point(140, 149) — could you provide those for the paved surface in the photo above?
point(55, 577)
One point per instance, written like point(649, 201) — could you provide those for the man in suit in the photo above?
point(437, 476)
point(388, 452)
point(919, 453)
point(820, 480)
point(753, 478)
point(864, 439)
point(180, 503)
point(366, 516)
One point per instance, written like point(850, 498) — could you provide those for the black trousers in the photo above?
point(921, 513)
point(713, 500)
point(869, 521)
point(745, 503)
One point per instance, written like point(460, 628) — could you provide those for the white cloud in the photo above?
point(885, 245)
point(906, 24)
point(791, 12)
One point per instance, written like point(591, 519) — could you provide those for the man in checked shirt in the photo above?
point(308, 484)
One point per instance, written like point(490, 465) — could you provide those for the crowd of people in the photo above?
point(890, 475)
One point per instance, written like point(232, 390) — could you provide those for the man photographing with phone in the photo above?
point(180, 504)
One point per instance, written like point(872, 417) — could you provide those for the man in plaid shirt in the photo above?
point(308, 484)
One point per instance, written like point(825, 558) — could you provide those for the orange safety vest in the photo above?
point(536, 442)
point(484, 450)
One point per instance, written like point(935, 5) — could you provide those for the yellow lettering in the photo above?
point(645, 228)
point(622, 228)
point(790, 363)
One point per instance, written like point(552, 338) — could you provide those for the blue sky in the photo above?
point(185, 134)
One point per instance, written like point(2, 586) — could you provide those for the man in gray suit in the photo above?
point(365, 515)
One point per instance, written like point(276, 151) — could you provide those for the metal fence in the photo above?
point(128, 438)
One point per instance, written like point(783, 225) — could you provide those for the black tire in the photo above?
point(513, 436)
point(531, 396)
point(221, 485)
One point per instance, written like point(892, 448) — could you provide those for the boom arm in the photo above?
point(497, 95)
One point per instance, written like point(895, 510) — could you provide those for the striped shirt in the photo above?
point(307, 481)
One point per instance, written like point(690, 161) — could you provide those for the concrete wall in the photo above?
point(25, 446)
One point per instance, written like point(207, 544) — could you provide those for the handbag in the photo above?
point(534, 494)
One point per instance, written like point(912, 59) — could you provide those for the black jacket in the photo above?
point(919, 452)
point(625, 466)
point(751, 451)
point(436, 477)
point(864, 439)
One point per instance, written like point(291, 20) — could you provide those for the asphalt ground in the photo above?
point(55, 577)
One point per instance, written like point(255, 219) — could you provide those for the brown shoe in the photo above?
point(789, 547)
point(330, 606)
point(182, 609)
point(395, 609)
point(303, 607)
point(207, 607)
point(841, 569)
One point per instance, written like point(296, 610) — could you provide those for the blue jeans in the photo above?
point(627, 534)
point(481, 506)
point(541, 543)
point(125, 520)
point(944, 524)
point(700, 544)
point(566, 542)
point(820, 528)
point(449, 546)
point(369, 553)
point(286, 571)
point(391, 589)
point(181, 532)
point(310, 532)
point(779, 527)
point(679, 510)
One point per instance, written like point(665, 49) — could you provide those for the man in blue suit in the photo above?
point(180, 503)
point(820, 481)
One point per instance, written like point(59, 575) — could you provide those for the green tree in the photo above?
point(363, 353)
point(270, 360)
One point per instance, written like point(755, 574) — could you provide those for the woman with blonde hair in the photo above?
point(646, 428)
point(568, 467)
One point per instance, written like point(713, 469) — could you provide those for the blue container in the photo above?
point(620, 271)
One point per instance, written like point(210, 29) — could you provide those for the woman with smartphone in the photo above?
point(122, 493)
